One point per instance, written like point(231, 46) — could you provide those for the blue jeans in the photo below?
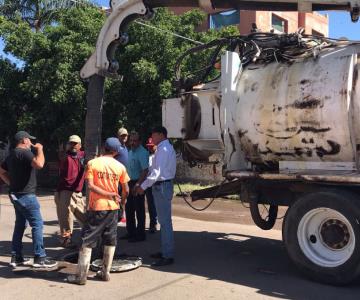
point(27, 208)
point(163, 194)
point(151, 207)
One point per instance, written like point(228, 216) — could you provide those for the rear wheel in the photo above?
point(322, 236)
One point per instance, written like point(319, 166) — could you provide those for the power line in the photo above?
point(169, 32)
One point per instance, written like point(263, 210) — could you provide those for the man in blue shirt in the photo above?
point(137, 167)
point(122, 151)
point(122, 157)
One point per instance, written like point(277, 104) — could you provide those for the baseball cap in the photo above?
point(160, 129)
point(22, 135)
point(75, 139)
point(150, 142)
point(122, 131)
point(112, 144)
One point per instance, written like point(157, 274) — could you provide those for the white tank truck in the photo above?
point(283, 114)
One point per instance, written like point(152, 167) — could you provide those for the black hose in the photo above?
point(208, 205)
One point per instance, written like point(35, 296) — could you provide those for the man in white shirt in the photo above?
point(160, 179)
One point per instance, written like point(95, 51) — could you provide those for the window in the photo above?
point(226, 18)
point(278, 24)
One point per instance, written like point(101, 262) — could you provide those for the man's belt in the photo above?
point(163, 181)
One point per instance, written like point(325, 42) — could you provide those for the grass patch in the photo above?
point(189, 187)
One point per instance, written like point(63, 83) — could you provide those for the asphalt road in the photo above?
point(218, 256)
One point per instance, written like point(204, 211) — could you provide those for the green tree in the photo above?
point(12, 103)
point(53, 93)
point(37, 13)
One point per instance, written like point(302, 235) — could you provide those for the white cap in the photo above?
point(122, 131)
point(75, 139)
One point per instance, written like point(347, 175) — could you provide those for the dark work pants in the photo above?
point(100, 225)
point(151, 207)
point(135, 207)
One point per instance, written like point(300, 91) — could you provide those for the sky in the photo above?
point(340, 25)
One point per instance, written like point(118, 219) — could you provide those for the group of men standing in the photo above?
point(113, 177)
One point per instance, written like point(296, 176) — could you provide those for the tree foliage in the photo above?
point(37, 13)
point(47, 96)
point(52, 91)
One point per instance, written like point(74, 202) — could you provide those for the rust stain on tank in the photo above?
point(343, 92)
point(232, 140)
point(250, 149)
point(355, 78)
point(333, 150)
point(254, 87)
point(314, 130)
point(242, 133)
point(307, 103)
point(305, 82)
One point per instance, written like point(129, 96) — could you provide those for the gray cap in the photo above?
point(22, 135)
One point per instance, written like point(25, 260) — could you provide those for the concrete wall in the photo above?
point(203, 174)
point(314, 21)
point(247, 18)
point(263, 20)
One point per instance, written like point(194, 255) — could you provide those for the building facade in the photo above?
point(280, 22)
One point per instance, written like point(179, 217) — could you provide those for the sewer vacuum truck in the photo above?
point(282, 112)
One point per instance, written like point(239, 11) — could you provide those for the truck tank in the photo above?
point(278, 115)
point(299, 112)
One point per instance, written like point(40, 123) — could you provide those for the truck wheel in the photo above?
point(265, 219)
point(322, 236)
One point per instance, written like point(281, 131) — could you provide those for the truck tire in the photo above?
point(322, 236)
point(267, 223)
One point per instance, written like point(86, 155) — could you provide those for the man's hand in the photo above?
point(39, 159)
point(139, 191)
point(123, 201)
point(4, 175)
point(117, 197)
point(38, 146)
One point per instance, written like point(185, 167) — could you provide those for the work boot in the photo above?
point(104, 273)
point(82, 267)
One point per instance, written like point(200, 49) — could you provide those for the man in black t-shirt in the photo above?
point(19, 172)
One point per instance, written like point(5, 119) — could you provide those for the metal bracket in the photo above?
point(99, 62)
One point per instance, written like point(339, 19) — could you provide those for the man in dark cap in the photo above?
point(104, 174)
point(18, 171)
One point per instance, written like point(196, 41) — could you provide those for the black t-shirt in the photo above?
point(22, 174)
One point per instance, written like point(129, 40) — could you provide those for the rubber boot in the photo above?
point(104, 273)
point(82, 267)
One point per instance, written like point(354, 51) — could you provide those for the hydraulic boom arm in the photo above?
point(113, 33)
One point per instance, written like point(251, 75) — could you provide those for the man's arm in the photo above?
point(154, 174)
point(143, 175)
point(124, 193)
point(39, 159)
point(144, 163)
point(92, 187)
point(4, 175)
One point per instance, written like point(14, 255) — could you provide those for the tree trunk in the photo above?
point(93, 124)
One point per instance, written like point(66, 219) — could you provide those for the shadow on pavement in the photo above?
point(259, 263)
point(255, 262)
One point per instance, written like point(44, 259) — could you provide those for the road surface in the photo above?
point(219, 255)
